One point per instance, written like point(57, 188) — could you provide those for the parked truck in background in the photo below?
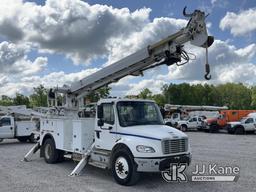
point(18, 122)
point(245, 125)
point(193, 123)
point(127, 136)
point(175, 113)
point(220, 122)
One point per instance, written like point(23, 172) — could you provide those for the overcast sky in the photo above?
point(58, 42)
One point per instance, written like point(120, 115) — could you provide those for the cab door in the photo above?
point(193, 122)
point(105, 126)
point(6, 127)
point(249, 124)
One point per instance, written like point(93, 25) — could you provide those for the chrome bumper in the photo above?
point(160, 163)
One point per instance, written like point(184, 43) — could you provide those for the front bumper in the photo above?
point(161, 163)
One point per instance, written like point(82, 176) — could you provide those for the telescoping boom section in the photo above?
point(167, 51)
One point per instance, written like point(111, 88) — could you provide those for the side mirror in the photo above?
point(100, 122)
point(100, 111)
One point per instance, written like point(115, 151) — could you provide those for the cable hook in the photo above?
point(207, 75)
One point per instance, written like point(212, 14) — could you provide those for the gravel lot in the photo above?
point(223, 149)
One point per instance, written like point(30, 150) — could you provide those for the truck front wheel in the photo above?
point(124, 169)
point(184, 128)
point(239, 130)
point(50, 153)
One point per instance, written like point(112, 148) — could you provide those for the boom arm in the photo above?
point(167, 51)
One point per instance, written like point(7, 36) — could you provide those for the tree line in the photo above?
point(38, 98)
point(232, 95)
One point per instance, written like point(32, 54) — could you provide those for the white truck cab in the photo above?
point(14, 129)
point(193, 123)
point(246, 124)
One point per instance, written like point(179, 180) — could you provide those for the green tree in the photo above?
point(6, 101)
point(145, 94)
point(39, 97)
point(20, 99)
point(97, 94)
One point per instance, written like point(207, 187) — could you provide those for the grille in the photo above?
point(174, 146)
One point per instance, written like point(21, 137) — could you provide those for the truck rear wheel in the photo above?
point(124, 168)
point(184, 128)
point(23, 139)
point(32, 138)
point(50, 153)
point(169, 124)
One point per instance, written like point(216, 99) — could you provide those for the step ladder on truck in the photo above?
point(127, 136)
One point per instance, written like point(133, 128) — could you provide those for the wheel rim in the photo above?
point(48, 151)
point(121, 167)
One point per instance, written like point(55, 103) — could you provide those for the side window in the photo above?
point(199, 119)
point(234, 113)
point(5, 121)
point(249, 120)
point(194, 119)
point(108, 113)
point(175, 115)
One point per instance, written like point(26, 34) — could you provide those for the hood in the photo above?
point(211, 120)
point(234, 123)
point(153, 131)
point(182, 122)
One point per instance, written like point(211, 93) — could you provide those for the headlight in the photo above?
point(145, 149)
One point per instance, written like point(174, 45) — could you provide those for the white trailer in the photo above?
point(18, 122)
point(127, 136)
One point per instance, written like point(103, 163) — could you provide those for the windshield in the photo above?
point(131, 113)
point(243, 119)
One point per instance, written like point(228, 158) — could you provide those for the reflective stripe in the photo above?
point(128, 134)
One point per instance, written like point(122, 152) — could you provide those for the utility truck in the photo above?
point(176, 113)
point(220, 122)
point(193, 123)
point(18, 122)
point(127, 136)
point(245, 125)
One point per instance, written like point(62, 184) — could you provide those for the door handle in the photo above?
point(107, 128)
point(11, 128)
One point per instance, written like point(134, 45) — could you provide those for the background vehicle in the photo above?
point(193, 123)
point(246, 124)
point(19, 123)
point(127, 136)
point(214, 124)
point(175, 113)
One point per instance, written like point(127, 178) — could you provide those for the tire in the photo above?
point(169, 124)
point(123, 168)
point(32, 138)
point(239, 130)
point(213, 128)
point(50, 153)
point(23, 139)
point(184, 128)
